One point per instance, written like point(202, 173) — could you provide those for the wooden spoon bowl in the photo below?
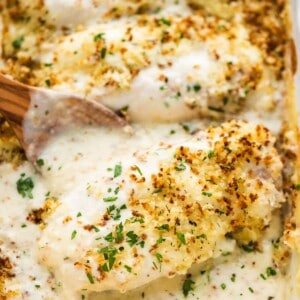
point(35, 121)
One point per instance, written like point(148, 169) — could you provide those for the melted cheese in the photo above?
point(79, 178)
point(179, 65)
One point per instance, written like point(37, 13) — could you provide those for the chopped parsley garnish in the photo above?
point(73, 235)
point(223, 286)
point(263, 276)
point(225, 100)
point(181, 238)
point(187, 287)
point(163, 227)
point(172, 131)
point(132, 238)
point(117, 170)
point(164, 21)
point(119, 233)
point(211, 154)
point(79, 215)
point(110, 199)
point(137, 220)
point(109, 237)
point(48, 65)
point(157, 191)
point(103, 53)
point(233, 277)
point(99, 36)
point(216, 109)
point(207, 194)
point(250, 247)
point(96, 229)
point(180, 167)
point(139, 170)
point(270, 271)
point(109, 254)
point(90, 278)
point(297, 186)
point(25, 186)
point(129, 269)
point(160, 239)
point(197, 87)
point(115, 212)
point(251, 290)
point(201, 236)
point(48, 82)
point(159, 259)
point(17, 43)
point(40, 162)
point(185, 127)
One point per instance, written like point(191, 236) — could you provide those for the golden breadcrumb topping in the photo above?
point(195, 199)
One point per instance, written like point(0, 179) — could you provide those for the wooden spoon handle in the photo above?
point(14, 103)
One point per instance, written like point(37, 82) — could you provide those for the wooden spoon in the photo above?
point(42, 123)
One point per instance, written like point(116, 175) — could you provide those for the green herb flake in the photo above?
point(223, 286)
point(160, 239)
point(159, 259)
point(110, 199)
point(181, 238)
point(79, 215)
point(73, 235)
point(185, 127)
point(270, 271)
point(109, 237)
point(180, 167)
point(48, 82)
point(103, 53)
point(109, 254)
point(156, 191)
point(99, 36)
point(90, 278)
point(297, 186)
point(216, 109)
point(211, 154)
point(164, 21)
point(207, 194)
point(201, 236)
point(129, 269)
point(132, 238)
point(117, 170)
point(139, 170)
point(40, 162)
point(251, 290)
point(163, 227)
point(25, 186)
point(37, 286)
point(233, 277)
point(96, 229)
point(119, 233)
point(196, 87)
point(250, 247)
point(187, 287)
point(17, 43)
point(263, 276)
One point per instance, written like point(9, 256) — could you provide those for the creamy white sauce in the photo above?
point(74, 156)
point(73, 162)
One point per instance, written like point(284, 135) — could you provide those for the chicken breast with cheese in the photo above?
point(155, 212)
point(178, 61)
